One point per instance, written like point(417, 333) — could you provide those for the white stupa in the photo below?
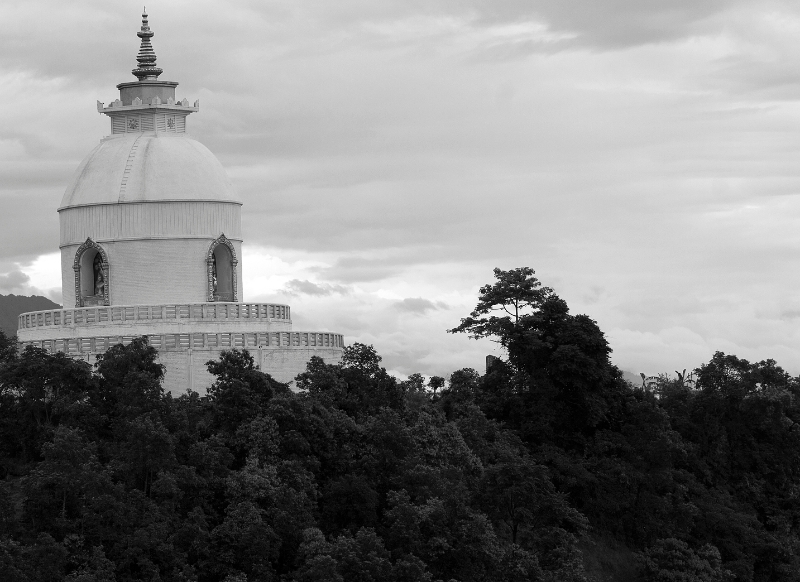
point(151, 244)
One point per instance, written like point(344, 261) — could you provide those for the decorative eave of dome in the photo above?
point(155, 103)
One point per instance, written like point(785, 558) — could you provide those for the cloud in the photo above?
point(25, 280)
point(14, 281)
point(418, 305)
point(640, 156)
point(303, 287)
point(626, 23)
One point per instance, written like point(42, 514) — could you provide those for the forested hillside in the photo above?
point(12, 305)
point(549, 467)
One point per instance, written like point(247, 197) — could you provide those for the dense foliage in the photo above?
point(548, 464)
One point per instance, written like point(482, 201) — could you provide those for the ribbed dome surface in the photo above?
point(145, 168)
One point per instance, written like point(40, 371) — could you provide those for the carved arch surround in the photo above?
point(76, 266)
point(221, 240)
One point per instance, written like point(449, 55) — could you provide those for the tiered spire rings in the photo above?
point(146, 59)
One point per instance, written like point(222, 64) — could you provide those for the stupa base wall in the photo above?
point(186, 337)
point(186, 368)
point(154, 321)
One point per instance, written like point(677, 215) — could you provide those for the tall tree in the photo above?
point(515, 293)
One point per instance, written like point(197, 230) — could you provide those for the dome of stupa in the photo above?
point(148, 168)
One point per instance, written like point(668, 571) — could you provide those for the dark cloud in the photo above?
point(354, 269)
point(418, 305)
point(14, 281)
point(597, 25)
point(790, 314)
point(625, 23)
point(593, 294)
point(303, 287)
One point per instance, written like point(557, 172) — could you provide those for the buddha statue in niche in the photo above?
point(99, 279)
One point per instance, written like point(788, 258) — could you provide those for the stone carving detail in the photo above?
point(137, 101)
point(102, 271)
point(185, 102)
point(211, 268)
point(155, 101)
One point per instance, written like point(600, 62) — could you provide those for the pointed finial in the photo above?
point(146, 59)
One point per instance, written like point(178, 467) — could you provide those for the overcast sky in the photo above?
point(642, 157)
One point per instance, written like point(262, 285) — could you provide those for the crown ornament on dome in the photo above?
point(146, 59)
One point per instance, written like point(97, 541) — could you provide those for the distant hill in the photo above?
point(12, 305)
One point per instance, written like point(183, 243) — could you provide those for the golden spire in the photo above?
point(146, 59)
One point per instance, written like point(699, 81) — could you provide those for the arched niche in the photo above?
point(91, 275)
point(221, 264)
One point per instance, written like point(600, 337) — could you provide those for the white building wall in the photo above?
point(186, 370)
point(156, 250)
point(149, 272)
point(182, 218)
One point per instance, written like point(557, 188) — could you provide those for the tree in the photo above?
point(515, 293)
point(130, 379)
point(436, 383)
point(43, 560)
point(454, 540)
point(415, 383)
point(244, 541)
point(8, 347)
point(145, 449)
point(37, 392)
point(121, 360)
point(241, 391)
point(361, 357)
point(57, 488)
point(518, 493)
point(462, 390)
point(559, 384)
point(671, 560)
point(317, 564)
point(359, 385)
point(96, 568)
